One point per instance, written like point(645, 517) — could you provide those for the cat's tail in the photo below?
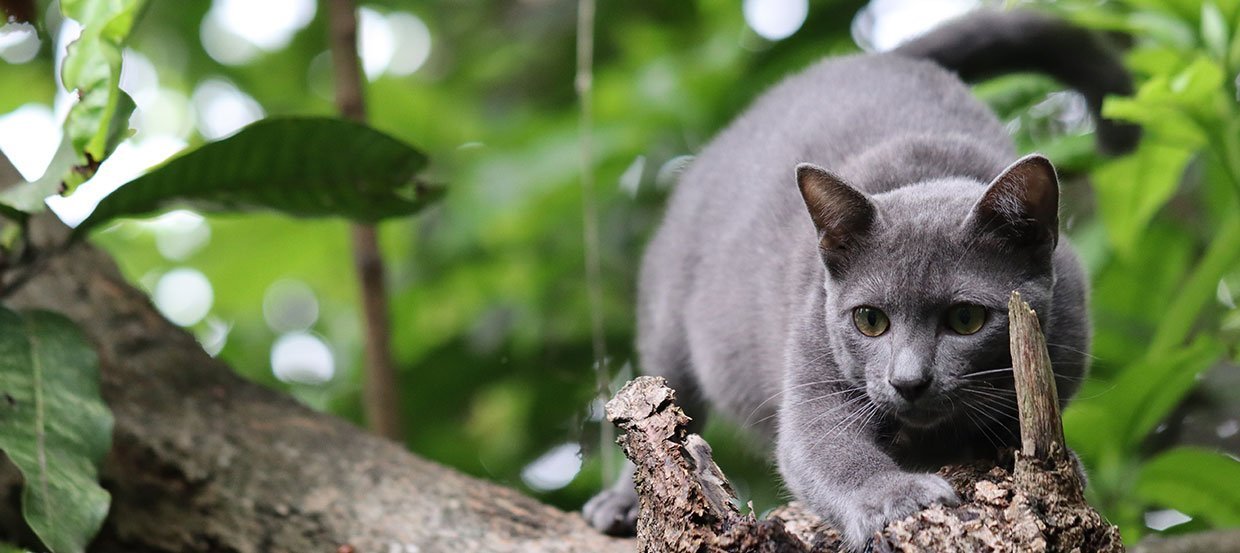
point(987, 43)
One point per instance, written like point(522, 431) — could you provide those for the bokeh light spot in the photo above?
point(554, 469)
point(302, 358)
point(184, 295)
point(290, 305)
point(19, 43)
point(223, 109)
point(775, 19)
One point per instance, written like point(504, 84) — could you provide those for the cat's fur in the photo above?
point(746, 303)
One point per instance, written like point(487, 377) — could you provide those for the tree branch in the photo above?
point(206, 461)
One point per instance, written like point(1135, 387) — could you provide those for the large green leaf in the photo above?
point(1149, 390)
point(55, 428)
point(300, 166)
point(1196, 481)
point(1133, 188)
point(100, 119)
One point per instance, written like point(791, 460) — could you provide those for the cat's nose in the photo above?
point(910, 387)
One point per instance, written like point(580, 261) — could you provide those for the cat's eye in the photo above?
point(966, 318)
point(871, 321)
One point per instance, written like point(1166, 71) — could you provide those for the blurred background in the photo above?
point(489, 296)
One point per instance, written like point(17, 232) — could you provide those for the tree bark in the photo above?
point(203, 460)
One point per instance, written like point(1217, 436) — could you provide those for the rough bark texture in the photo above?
point(1026, 503)
point(1036, 397)
point(205, 461)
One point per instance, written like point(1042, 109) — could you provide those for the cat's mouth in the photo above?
point(922, 415)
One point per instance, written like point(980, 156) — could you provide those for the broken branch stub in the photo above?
point(1037, 400)
point(687, 505)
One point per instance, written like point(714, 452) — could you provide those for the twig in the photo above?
point(584, 84)
point(380, 392)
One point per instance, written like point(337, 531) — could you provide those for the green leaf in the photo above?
point(1174, 108)
point(55, 428)
point(300, 166)
point(1133, 188)
point(1199, 288)
point(1090, 430)
point(1147, 391)
point(99, 120)
point(1214, 30)
point(1196, 481)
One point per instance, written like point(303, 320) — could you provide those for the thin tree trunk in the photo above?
point(381, 388)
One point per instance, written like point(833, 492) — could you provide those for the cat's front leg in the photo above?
point(848, 480)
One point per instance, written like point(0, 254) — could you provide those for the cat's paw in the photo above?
point(889, 498)
point(613, 511)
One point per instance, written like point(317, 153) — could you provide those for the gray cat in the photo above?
point(870, 337)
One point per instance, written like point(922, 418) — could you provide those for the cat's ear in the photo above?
point(1021, 205)
point(842, 214)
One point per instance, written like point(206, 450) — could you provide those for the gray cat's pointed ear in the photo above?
point(841, 213)
point(1022, 204)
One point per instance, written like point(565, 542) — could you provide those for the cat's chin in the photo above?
point(921, 418)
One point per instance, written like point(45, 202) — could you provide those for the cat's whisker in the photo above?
point(986, 428)
point(786, 390)
point(986, 372)
point(845, 423)
point(801, 403)
point(979, 425)
point(1004, 409)
point(1072, 349)
point(810, 424)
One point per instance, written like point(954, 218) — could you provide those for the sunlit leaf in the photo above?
point(1196, 481)
point(55, 427)
point(299, 166)
point(28, 197)
point(99, 120)
point(1214, 30)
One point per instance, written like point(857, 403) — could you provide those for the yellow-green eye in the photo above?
point(966, 318)
point(871, 321)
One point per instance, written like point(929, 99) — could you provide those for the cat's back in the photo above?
point(741, 184)
point(728, 248)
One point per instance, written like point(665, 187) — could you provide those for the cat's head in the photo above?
point(918, 280)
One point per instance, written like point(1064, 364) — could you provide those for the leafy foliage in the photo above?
point(490, 317)
point(100, 119)
point(1154, 297)
point(300, 166)
point(55, 427)
point(1194, 480)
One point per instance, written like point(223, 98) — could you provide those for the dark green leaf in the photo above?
point(300, 166)
point(55, 428)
